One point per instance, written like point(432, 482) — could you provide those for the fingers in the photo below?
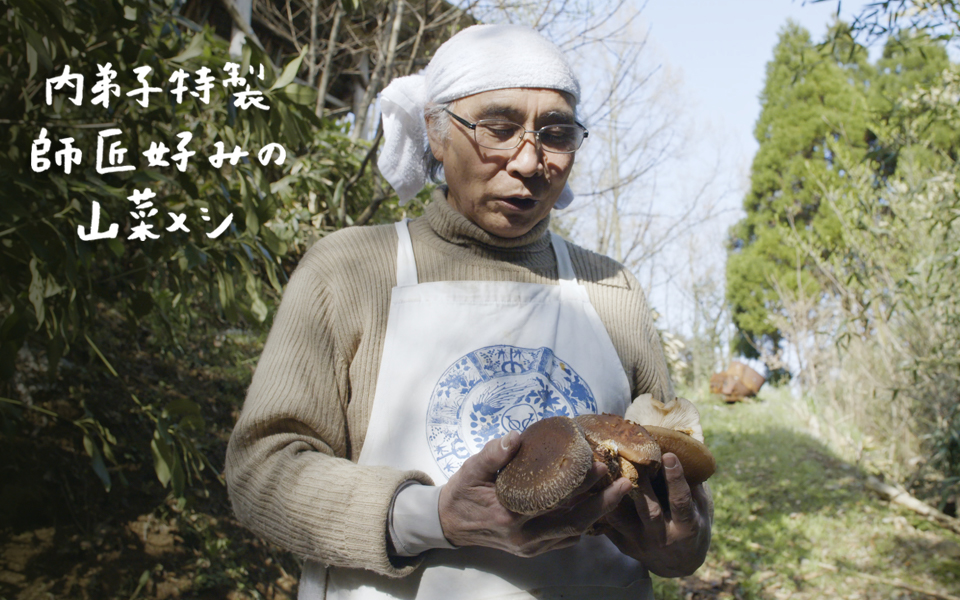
point(538, 546)
point(574, 519)
point(671, 518)
point(471, 515)
point(597, 472)
point(667, 525)
point(625, 527)
point(587, 512)
point(647, 503)
point(682, 508)
point(495, 455)
point(561, 543)
point(704, 500)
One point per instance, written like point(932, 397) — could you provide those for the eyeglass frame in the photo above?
point(535, 132)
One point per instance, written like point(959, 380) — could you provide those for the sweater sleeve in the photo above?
point(287, 467)
point(652, 376)
point(622, 306)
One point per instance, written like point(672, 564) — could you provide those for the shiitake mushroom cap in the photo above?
point(630, 441)
point(556, 453)
point(695, 458)
point(552, 462)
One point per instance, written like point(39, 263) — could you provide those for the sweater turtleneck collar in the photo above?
point(454, 227)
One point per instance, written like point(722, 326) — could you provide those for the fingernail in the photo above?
point(670, 461)
point(506, 442)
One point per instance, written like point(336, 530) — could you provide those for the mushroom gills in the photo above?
point(606, 452)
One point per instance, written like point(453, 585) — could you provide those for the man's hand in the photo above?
point(669, 545)
point(471, 515)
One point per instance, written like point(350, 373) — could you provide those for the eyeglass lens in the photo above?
point(506, 135)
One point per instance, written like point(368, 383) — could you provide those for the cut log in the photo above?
point(739, 381)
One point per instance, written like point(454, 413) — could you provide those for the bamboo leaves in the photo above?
point(57, 287)
point(290, 71)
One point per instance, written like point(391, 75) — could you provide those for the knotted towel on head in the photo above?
point(478, 59)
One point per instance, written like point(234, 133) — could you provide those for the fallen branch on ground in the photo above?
point(907, 586)
point(898, 495)
point(883, 580)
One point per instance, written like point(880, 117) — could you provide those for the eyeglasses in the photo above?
point(497, 134)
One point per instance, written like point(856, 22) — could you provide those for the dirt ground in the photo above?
point(62, 535)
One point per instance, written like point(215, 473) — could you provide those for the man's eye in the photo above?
point(501, 130)
point(556, 134)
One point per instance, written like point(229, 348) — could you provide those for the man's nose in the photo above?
point(527, 159)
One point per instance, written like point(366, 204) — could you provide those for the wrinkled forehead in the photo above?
point(496, 57)
point(546, 106)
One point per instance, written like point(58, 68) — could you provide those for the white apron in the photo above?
point(465, 362)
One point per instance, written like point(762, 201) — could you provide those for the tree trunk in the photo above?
point(312, 67)
point(328, 59)
point(380, 74)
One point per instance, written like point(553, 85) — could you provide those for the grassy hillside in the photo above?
point(793, 520)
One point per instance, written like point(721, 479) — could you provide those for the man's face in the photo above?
point(505, 192)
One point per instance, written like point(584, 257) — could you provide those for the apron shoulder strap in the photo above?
point(564, 264)
point(406, 265)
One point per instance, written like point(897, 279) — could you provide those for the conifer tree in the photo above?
point(813, 99)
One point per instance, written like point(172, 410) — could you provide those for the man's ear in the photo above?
point(436, 144)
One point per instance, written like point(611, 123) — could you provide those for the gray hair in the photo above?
point(438, 123)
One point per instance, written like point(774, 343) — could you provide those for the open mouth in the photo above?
point(521, 203)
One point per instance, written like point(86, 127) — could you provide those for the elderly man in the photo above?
point(405, 359)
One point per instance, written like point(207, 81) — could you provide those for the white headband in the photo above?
point(478, 59)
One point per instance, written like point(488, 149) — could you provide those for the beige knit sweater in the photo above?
point(291, 461)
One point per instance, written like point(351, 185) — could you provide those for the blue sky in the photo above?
point(718, 51)
point(721, 50)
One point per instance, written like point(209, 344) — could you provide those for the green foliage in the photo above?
point(903, 239)
point(819, 102)
point(864, 214)
point(98, 442)
point(56, 287)
point(813, 101)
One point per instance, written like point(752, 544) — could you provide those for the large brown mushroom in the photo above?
point(552, 462)
point(556, 454)
point(697, 461)
point(675, 425)
point(626, 448)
